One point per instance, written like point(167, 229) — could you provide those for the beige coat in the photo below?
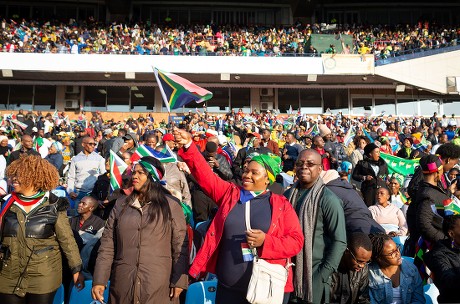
point(142, 259)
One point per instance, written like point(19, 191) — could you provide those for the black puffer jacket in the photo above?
point(428, 223)
point(369, 187)
point(359, 286)
point(444, 263)
point(357, 217)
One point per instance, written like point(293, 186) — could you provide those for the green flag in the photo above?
point(399, 165)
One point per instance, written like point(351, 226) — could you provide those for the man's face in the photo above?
point(27, 142)
point(357, 259)
point(266, 134)
point(443, 139)
point(85, 205)
point(88, 145)
point(308, 167)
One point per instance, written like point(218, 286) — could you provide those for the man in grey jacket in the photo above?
point(84, 170)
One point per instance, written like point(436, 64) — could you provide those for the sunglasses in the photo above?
point(91, 144)
point(301, 163)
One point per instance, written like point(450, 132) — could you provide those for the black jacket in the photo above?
point(17, 154)
point(357, 217)
point(444, 263)
point(356, 285)
point(369, 187)
point(428, 224)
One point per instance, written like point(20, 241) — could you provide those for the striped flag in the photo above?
point(19, 124)
point(117, 167)
point(177, 91)
point(349, 136)
point(313, 131)
point(165, 156)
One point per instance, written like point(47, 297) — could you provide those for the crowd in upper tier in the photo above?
point(145, 38)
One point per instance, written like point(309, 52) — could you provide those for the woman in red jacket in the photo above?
point(275, 233)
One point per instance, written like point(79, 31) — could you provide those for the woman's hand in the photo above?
point(182, 137)
point(255, 238)
point(174, 292)
point(97, 293)
point(79, 280)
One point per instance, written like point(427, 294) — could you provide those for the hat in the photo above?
point(324, 130)
point(2, 129)
point(430, 164)
point(222, 140)
point(255, 134)
point(168, 137)
point(108, 131)
point(210, 133)
point(34, 129)
point(128, 137)
point(369, 148)
point(163, 131)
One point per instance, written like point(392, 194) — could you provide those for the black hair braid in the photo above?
point(378, 243)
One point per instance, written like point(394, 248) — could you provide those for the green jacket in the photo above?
point(329, 243)
point(35, 241)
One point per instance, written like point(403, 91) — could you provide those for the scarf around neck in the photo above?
point(307, 217)
point(27, 200)
point(246, 196)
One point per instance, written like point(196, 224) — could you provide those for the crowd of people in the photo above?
point(150, 205)
point(145, 38)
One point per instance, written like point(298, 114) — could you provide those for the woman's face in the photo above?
point(375, 154)
point(4, 143)
point(382, 196)
point(407, 143)
point(452, 174)
point(255, 177)
point(390, 255)
point(394, 186)
point(151, 142)
point(138, 177)
point(362, 144)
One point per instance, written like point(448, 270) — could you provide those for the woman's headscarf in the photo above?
point(150, 164)
point(271, 163)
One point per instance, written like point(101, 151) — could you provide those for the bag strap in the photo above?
point(247, 219)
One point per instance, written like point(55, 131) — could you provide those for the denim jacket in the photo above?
point(381, 290)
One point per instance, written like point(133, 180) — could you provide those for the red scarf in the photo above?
point(24, 203)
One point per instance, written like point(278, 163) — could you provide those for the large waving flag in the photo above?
point(399, 165)
point(165, 156)
point(117, 167)
point(177, 91)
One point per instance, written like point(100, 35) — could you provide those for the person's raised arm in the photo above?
point(213, 186)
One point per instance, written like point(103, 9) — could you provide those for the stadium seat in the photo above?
point(431, 293)
point(203, 292)
point(59, 296)
point(84, 295)
point(400, 240)
point(409, 259)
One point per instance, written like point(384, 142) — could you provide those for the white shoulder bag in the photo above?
point(267, 280)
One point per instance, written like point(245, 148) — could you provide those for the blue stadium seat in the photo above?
point(84, 296)
point(409, 259)
point(203, 292)
point(59, 296)
point(431, 293)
